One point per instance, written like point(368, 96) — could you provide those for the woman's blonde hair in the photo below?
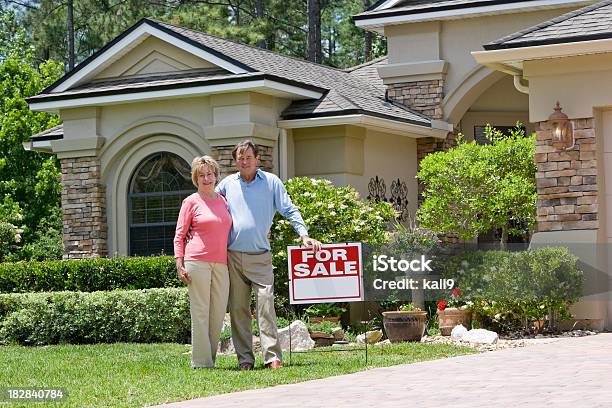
point(204, 161)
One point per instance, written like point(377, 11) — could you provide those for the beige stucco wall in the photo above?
point(499, 105)
point(153, 56)
point(413, 48)
point(350, 155)
point(579, 83)
point(603, 123)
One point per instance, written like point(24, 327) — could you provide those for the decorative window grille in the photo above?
point(156, 191)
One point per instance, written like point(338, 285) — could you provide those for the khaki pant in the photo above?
point(208, 294)
point(252, 272)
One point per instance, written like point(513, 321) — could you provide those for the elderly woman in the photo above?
point(200, 249)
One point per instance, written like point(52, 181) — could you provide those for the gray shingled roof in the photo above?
point(54, 133)
point(369, 72)
point(588, 23)
point(350, 92)
point(421, 6)
point(345, 92)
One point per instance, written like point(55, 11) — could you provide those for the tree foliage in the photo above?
point(29, 181)
point(472, 189)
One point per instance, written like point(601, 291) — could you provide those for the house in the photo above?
point(137, 111)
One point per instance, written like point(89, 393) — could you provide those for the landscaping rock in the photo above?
point(338, 333)
point(300, 337)
point(322, 339)
point(458, 332)
point(373, 337)
point(512, 341)
point(480, 336)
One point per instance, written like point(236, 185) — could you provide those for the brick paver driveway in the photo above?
point(569, 372)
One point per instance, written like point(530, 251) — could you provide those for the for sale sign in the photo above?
point(333, 274)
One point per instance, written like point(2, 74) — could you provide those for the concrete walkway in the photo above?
point(570, 372)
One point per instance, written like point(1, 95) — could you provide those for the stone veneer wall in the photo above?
point(223, 155)
point(567, 180)
point(422, 96)
point(85, 228)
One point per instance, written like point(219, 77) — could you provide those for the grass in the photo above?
point(130, 375)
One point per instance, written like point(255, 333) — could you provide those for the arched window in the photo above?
point(157, 189)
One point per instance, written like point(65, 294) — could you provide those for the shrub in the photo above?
point(472, 189)
point(508, 289)
point(332, 214)
point(89, 275)
point(325, 310)
point(404, 243)
point(152, 315)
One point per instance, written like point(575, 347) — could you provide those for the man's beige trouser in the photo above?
point(252, 272)
point(208, 293)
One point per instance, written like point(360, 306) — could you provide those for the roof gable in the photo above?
point(153, 56)
point(128, 41)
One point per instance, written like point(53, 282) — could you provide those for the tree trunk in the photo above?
point(314, 31)
point(259, 13)
point(70, 24)
point(504, 238)
point(332, 45)
point(368, 37)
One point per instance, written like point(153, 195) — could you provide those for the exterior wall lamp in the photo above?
point(562, 129)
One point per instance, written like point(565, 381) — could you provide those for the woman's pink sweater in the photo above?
point(202, 229)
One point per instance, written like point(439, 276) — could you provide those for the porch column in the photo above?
point(85, 228)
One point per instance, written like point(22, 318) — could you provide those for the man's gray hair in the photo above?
point(242, 146)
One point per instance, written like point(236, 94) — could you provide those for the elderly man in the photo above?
point(253, 197)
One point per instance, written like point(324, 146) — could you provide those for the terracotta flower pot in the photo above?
point(451, 317)
point(404, 326)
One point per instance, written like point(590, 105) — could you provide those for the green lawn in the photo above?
point(132, 375)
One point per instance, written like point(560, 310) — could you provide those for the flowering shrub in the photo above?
point(332, 214)
point(10, 237)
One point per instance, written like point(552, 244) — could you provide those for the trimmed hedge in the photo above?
point(140, 316)
point(89, 275)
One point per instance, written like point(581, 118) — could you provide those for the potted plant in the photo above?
point(453, 312)
point(324, 312)
point(406, 324)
